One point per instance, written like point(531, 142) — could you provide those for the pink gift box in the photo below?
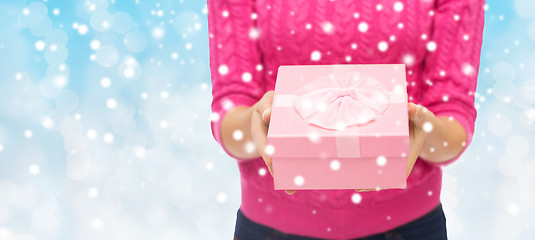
point(341, 126)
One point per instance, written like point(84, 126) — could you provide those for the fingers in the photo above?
point(289, 192)
point(259, 129)
point(415, 111)
point(266, 115)
point(418, 114)
point(264, 107)
point(368, 189)
point(259, 132)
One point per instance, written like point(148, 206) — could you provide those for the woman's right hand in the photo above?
point(259, 129)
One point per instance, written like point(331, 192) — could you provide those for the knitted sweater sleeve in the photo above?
point(235, 59)
point(452, 63)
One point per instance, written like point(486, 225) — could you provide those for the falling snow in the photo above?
point(315, 56)
point(381, 160)
point(382, 46)
point(327, 27)
point(398, 6)
point(246, 77)
point(427, 127)
point(110, 101)
point(431, 46)
point(299, 180)
point(269, 149)
point(223, 69)
point(237, 135)
point(363, 27)
point(356, 198)
point(335, 165)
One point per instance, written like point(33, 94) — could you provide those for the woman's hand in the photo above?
point(251, 125)
point(259, 129)
point(421, 122)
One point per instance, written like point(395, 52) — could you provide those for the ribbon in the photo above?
point(338, 101)
point(341, 100)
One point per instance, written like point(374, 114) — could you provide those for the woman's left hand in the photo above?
point(418, 117)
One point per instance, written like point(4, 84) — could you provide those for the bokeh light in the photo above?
point(105, 123)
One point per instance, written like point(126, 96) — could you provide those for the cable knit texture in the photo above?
point(438, 40)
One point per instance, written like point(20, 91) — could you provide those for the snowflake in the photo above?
point(237, 135)
point(111, 103)
point(223, 69)
point(398, 6)
point(327, 27)
point(427, 127)
point(363, 27)
point(262, 171)
point(91, 134)
point(335, 165)
point(315, 55)
point(431, 46)
point(356, 198)
point(246, 77)
point(299, 180)
point(381, 160)
point(34, 169)
point(382, 46)
point(28, 133)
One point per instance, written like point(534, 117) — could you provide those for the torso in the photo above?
point(322, 32)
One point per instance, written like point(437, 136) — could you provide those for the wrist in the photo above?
point(437, 129)
point(433, 129)
point(238, 119)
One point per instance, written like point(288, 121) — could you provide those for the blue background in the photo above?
point(105, 126)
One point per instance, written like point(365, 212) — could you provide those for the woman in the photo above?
point(439, 41)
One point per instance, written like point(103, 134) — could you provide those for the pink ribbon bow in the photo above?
point(341, 100)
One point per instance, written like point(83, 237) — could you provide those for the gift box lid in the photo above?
point(340, 110)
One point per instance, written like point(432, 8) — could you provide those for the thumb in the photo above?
point(266, 115)
point(265, 107)
point(416, 112)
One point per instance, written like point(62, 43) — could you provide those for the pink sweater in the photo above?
point(438, 40)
